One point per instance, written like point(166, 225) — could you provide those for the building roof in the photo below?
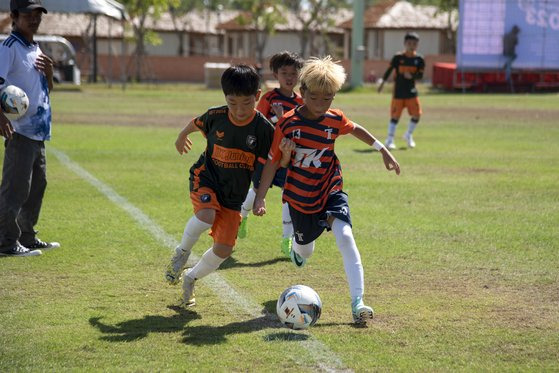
point(391, 14)
point(197, 21)
point(292, 22)
point(68, 25)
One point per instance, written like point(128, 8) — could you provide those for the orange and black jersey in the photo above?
point(314, 171)
point(402, 63)
point(227, 164)
point(276, 97)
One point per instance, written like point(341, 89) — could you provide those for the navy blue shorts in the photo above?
point(279, 177)
point(308, 227)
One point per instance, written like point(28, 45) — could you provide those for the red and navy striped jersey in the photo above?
point(273, 97)
point(314, 171)
point(227, 164)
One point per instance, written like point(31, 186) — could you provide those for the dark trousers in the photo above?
point(24, 180)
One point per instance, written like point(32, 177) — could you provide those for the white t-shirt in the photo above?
point(17, 67)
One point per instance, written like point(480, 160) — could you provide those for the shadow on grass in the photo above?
point(232, 262)
point(132, 330)
point(207, 335)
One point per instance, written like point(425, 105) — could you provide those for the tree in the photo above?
point(315, 16)
point(450, 7)
point(263, 17)
point(139, 10)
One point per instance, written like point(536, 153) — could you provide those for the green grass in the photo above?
point(460, 251)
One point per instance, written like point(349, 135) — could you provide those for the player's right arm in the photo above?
point(272, 163)
point(183, 143)
point(6, 128)
point(387, 73)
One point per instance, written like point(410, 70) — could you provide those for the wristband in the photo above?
point(377, 145)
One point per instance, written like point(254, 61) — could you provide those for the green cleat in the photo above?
point(286, 245)
point(361, 313)
point(297, 259)
point(243, 230)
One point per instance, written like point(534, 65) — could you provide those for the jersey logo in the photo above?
point(220, 135)
point(329, 130)
point(296, 134)
point(299, 236)
point(305, 157)
point(251, 141)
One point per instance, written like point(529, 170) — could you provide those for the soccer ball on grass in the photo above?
point(14, 102)
point(299, 307)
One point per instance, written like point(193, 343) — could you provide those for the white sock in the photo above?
point(411, 126)
point(352, 260)
point(248, 203)
point(304, 250)
point(391, 130)
point(286, 218)
point(192, 231)
point(207, 264)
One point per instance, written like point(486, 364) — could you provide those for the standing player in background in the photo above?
point(409, 67)
point(236, 135)
point(24, 174)
point(273, 104)
point(313, 187)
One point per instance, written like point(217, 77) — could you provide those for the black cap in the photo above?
point(411, 36)
point(26, 6)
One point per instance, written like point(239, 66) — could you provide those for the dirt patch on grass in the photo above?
point(501, 114)
point(481, 297)
point(174, 121)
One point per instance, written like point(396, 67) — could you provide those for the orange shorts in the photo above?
point(226, 224)
point(398, 105)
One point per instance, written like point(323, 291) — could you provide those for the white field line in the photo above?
point(235, 302)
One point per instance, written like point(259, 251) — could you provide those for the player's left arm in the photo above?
point(418, 75)
point(45, 64)
point(389, 161)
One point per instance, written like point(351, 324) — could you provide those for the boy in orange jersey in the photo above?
point(313, 188)
point(273, 104)
point(409, 67)
point(236, 135)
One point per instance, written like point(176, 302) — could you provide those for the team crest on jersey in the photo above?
point(220, 134)
point(251, 141)
point(205, 198)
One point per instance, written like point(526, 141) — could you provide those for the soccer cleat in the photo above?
point(19, 250)
point(390, 145)
point(297, 259)
point(286, 245)
point(409, 139)
point(188, 299)
point(174, 269)
point(361, 313)
point(42, 245)
point(243, 230)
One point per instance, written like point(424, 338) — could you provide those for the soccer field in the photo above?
point(460, 252)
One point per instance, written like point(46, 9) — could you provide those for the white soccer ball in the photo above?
point(299, 307)
point(14, 102)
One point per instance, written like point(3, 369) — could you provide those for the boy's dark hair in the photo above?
point(285, 58)
point(411, 36)
point(240, 80)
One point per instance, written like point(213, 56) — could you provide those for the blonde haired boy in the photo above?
point(313, 188)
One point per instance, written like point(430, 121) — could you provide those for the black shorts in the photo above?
point(308, 227)
point(279, 177)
